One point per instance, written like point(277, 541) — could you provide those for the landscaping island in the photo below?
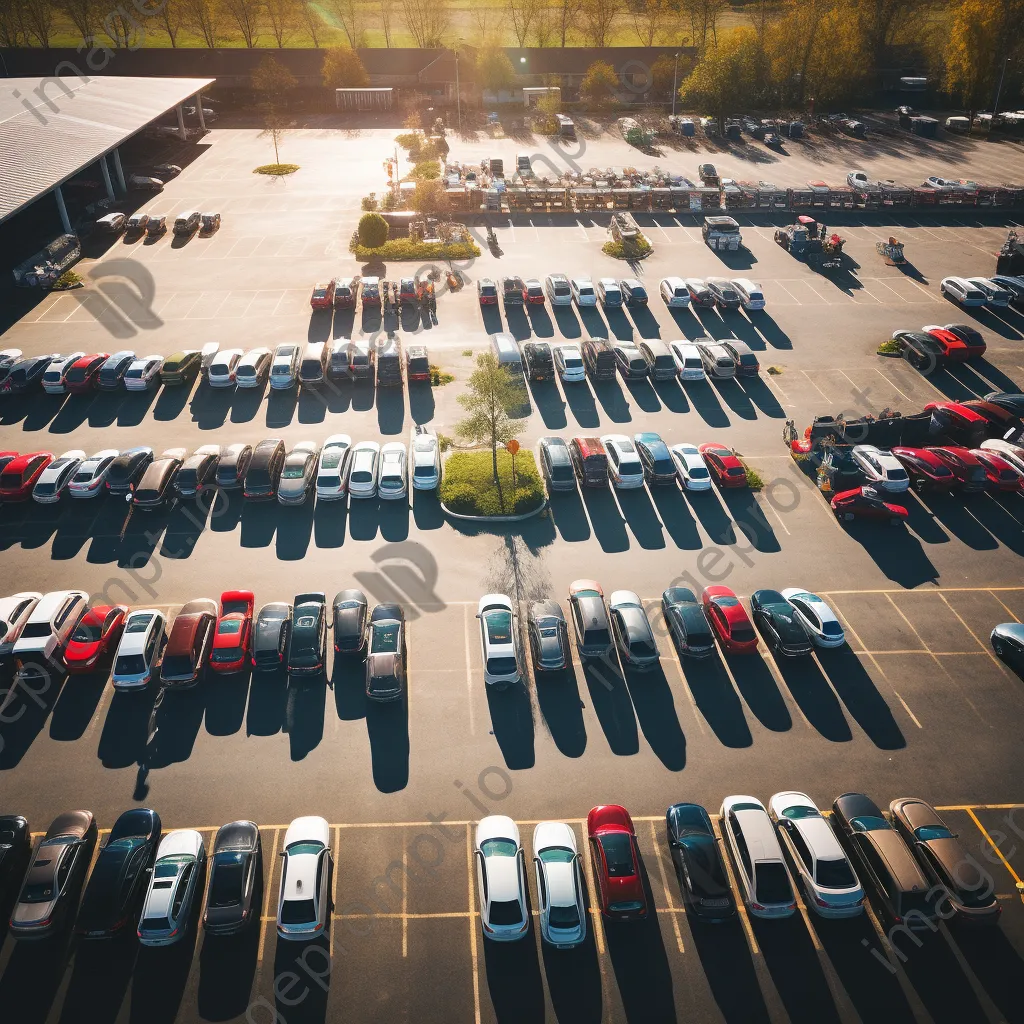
point(469, 487)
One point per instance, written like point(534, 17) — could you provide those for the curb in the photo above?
point(494, 519)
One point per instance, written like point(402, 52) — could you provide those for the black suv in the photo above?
point(307, 653)
point(540, 365)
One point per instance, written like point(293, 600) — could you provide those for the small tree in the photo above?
point(494, 69)
point(491, 392)
point(272, 81)
point(373, 230)
point(430, 198)
point(274, 130)
point(342, 69)
point(600, 83)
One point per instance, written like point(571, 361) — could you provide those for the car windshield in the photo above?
point(228, 876)
point(499, 626)
point(573, 362)
point(498, 848)
point(130, 665)
point(488, 289)
point(927, 833)
point(564, 917)
point(138, 623)
point(35, 631)
point(331, 458)
point(618, 853)
point(834, 874)
point(45, 487)
point(295, 469)
point(298, 912)
point(506, 912)
point(868, 823)
point(501, 666)
point(424, 471)
point(801, 812)
point(87, 632)
point(556, 855)
point(384, 639)
point(771, 883)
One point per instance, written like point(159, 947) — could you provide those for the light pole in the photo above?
point(1002, 75)
point(458, 95)
point(675, 77)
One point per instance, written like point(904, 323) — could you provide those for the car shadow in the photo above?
point(750, 519)
point(997, 965)
point(676, 517)
point(76, 705)
point(549, 403)
point(574, 980)
point(672, 396)
point(514, 980)
point(640, 515)
point(814, 696)
point(657, 715)
point(100, 975)
point(227, 966)
point(387, 726)
point(613, 401)
point(512, 725)
point(567, 322)
point(310, 963)
point(642, 392)
point(606, 519)
point(569, 516)
point(226, 698)
point(709, 509)
point(558, 697)
point(268, 700)
point(580, 400)
point(704, 400)
point(304, 716)
point(857, 691)
point(725, 957)
point(348, 681)
point(759, 691)
point(716, 699)
point(613, 706)
point(329, 522)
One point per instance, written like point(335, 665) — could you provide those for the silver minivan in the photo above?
point(506, 348)
point(717, 361)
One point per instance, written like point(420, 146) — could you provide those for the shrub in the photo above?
point(390, 201)
point(426, 170)
point(408, 249)
point(276, 169)
point(637, 250)
point(469, 488)
point(444, 442)
point(373, 230)
point(438, 377)
point(460, 498)
point(409, 140)
point(754, 479)
point(342, 69)
point(890, 347)
point(370, 202)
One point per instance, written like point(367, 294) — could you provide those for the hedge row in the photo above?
point(408, 249)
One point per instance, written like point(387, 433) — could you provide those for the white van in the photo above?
point(186, 223)
point(49, 627)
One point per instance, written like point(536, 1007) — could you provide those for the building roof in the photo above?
point(52, 128)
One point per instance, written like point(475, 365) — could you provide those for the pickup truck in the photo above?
point(512, 289)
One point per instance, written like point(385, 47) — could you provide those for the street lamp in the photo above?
point(1002, 75)
point(675, 76)
point(458, 95)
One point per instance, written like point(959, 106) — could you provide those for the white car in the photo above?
point(46, 632)
point(392, 476)
point(558, 290)
point(823, 871)
point(691, 467)
point(172, 888)
point(881, 468)
point(501, 879)
point(54, 374)
point(674, 291)
point(1012, 453)
point(995, 294)
point(144, 373)
point(221, 373)
point(625, 470)
point(208, 353)
point(53, 480)
point(88, 480)
point(14, 613)
point(609, 292)
point(961, 291)
point(426, 459)
point(556, 860)
point(583, 291)
point(757, 857)
point(498, 626)
point(569, 363)
point(253, 368)
point(819, 621)
point(689, 365)
point(362, 474)
point(858, 179)
point(942, 184)
point(140, 649)
point(285, 367)
point(305, 898)
point(332, 472)
point(751, 295)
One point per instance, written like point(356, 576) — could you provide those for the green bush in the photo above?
point(637, 250)
point(426, 170)
point(373, 230)
point(276, 170)
point(408, 249)
point(889, 347)
point(370, 202)
point(390, 201)
point(469, 487)
point(409, 140)
point(460, 498)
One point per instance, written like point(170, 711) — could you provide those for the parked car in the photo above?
point(549, 636)
point(189, 644)
point(307, 650)
point(392, 475)
point(774, 617)
point(556, 464)
point(539, 363)
point(119, 879)
point(181, 368)
point(417, 365)
point(236, 875)
point(724, 293)
point(53, 481)
point(533, 292)
point(970, 336)
point(1007, 641)
point(313, 365)
point(156, 486)
point(951, 349)
point(345, 291)
point(590, 461)
point(631, 631)
point(674, 292)
point(599, 358)
point(198, 471)
point(558, 290)
point(362, 477)
point(18, 478)
point(501, 879)
point(233, 635)
point(25, 374)
point(140, 650)
point(723, 464)
point(562, 913)
point(1000, 474)
point(819, 621)
point(54, 878)
point(512, 289)
point(961, 291)
point(370, 292)
point(655, 458)
point(333, 468)
point(233, 466)
point(925, 469)
point(995, 295)
point(687, 623)
point(385, 654)
point(881, 468)
point(630, 360)
point(700, 294)
point(285, 367)
point(362, 361)
point(689, 365)
point(47, 630)
point(633, 292)
point(271, 634)
point(743, 357)
point(304, 896)
point(590, 621)
point(173, 887)
point(609, 293)
point(717, 361)
point(690, 467)
point(761, 872)
point(425, 455)
point(867, 503)
point(751, 294)
point(968, 888)
point(616, 861)
point(144, 374)
point(1014, 285)
point(14, 613)
point(661, 364)
point(821, 868)
point(223, 369)
point(625, 469)
point(698, 863)
point(583, 291)
point(499, 641)
point(113, 370)
point(95, 638)
point(54, 378)
point(729, 620)
point(487, 292)
point(298, 476)
point(349, 614)
point(323, 295)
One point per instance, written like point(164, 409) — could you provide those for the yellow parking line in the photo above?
point(1008, 612)
point(335, 845)
point(984, 648)
point(595, 911)
point(664, 885)
point(740, 906)
point(405, 897)
point(266, 902)
point(999, 853)
point(472, 925)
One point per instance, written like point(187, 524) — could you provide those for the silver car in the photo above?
point(285, 367)
point(298, 474)
point(253, 368)
point(172, 888)
point(91, 474)
point(140, 649)
point(392, 477)
point(556, 859)
point(362, 476)
point(53, 480)
point(332, 472)
point(426, 459)
point(144, 373)
point(631, 631)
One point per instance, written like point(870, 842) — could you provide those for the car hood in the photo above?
point(502, 878)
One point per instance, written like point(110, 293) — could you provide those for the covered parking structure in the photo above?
point(53, 128)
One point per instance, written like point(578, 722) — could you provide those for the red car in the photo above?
point(233, 635)
point(970, 337)
point(969, 472)
point(865, 503)
point(81, 375)
point(95, 638)
point(616, 859)
point(953, 348)
point(533, 292)
point(729, 620)
point(5, 458)
point(323, 295)
point(925, 468)
point(959, 421)
point(19, 476)
point(1001, 475)
point(724, 466)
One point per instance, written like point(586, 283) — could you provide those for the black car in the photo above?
point(197, 472)
point(556, 464)
point(633, 292)
point(236, 870)
point(540, 364)
point(656, 458)
point(773, 616)
point(26, 374)
point(1008, 400)
point(7, 362)
point(262, 477)
point(232, 466)
point(127, 469)
point(15, 847)
point(921, 350)
point(630, 361)
point(119, 878)
point(549, 636)
point(270, 636)
point(349, 609)
point(1008, 643)
point(111, 375)
point(385, 653)
point(698, 863)
point(307, 652)
point(687, 623)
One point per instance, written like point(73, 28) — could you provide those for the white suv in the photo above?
point(559, 292)
point(498, 624)
point(881, 468)
point(140, 649)
point(426, 459)
point(583, 291)
point(501, 879)
point(624, 466)
point(304, 901)
point(223, 368)
point(49, 627)
point(285, 367)
point(569, 363)
point(674, 292)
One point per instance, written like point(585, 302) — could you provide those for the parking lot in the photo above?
point(916, 706)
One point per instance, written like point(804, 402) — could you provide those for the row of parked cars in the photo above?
point(267, 471)
point(934, 347)
point(287, 365)
point(675, 292)
point(996, 292)
point(907, 862)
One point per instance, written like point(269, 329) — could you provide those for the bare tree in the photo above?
point(246, 14)
point(568, 17)
point(85, 15)
point(283, 18)
point(352, 16)
point(172, 18)
point(647, 16)
point(309, 16)
point(427, 20)
point(38, 19)
point(598, 18)
point(703, 16)
point(13, 31)
point(386, 14)
point(124, 31)
point(523, 14)
point(544, 28)
point(204, 18)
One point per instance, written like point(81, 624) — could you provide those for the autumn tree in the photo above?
point(13, 30)
point(204, 17)
point(428, 21)
point(648, 17)
point(494, 69)
point(37, 16)
point(272, 81)
point(663, 77)
point(283, 18)
point(387, 15)
point(600, 83)
point(523, 14)
point(568, 12)
point(352, 16)
point(246, 16)
point(598, 19)
point(703, 16)
point(85, 15)
point(309, 17)
point(723, 75)
point(172, 15)
point(975, 51)
point(430, 198)
point(342, 69)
